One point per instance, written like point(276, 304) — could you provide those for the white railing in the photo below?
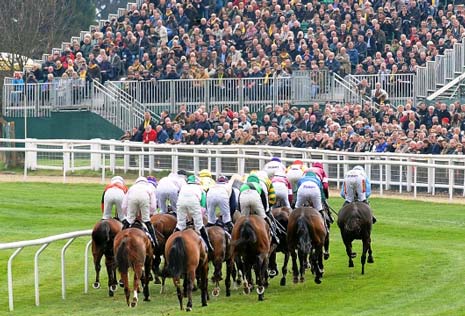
point(44, 242)
point(430, 174)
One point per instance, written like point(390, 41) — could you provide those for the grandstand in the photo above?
point(252, 53)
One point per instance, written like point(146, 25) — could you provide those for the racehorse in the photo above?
point(164, 225)
point(355, 221)
point(281, 214)
point(103, 235)
point(306, 233)
point(186, 256)
point(134, 249)
point(221, 242)
point(250, 247)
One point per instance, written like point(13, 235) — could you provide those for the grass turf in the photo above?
point(418, 247)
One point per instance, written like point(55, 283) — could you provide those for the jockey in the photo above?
point(357, 187)
point(153, 181)
point(206, 180)
point(294, 172)
point(140, 199)
point(317, 168)
point(113, 195)
point(311, 189)
point(267, 187)
point(252, 200)
point(190, 202)
point(274, 166)
point(168, 190)
point(283, 189)
point(221, 195)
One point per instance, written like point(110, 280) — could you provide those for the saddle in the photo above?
point(140, 225)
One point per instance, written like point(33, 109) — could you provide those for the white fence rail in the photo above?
point(430, 174)
point(44, 242)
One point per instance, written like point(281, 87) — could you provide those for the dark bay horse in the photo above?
point(186, 257)
point(306, 234)
point(134, 249)
point(164, 225)
point(281, 214)
point(103, 235)
point(355, 222)
point(250, 248)
point(221, 242)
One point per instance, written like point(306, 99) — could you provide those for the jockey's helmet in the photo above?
point(182, 172)
point(193, 180)
point(253, 178)
point(317, 164)
point(298, 162)
point(117, 179)
point(222, 179)
point(360, 168)
point(152, 180)
point(141, 179)
point(205, 173)
point(276, 159)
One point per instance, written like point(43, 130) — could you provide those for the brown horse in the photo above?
point(103, 235)
point(164, 225)
point(221, 242)
point(355, 221)
point(281, 214)
point(250, 248)
point(186, 256)
point(306, 233)
point(134, 249)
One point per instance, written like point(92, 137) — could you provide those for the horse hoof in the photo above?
point(133, 304)
point(272, 273)
point(283, 282)
point(188, 309)
point(351, 264)
point(216, 292)
point(260, 290)
point(326, 255)
point(146, 299)
point(228, 293)
point(111, 293)
point(96, 285)
point(121, 283)
point(295, 280)
point(302, 279)
point(317, 280)
point(113, 288)
point(370, 260)
point(261, 297)
point(246, 291)
point(353, 255)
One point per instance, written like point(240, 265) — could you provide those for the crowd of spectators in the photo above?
point(199, 39)
point(434, 129)
point(171, 39)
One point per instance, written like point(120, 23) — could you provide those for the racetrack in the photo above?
point(418, 247)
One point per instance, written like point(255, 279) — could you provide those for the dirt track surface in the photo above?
point(98, 180)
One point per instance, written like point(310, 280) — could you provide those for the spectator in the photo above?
point(149, 135)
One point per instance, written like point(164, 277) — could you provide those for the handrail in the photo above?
point(43, 242)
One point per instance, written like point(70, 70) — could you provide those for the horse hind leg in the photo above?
point(97, 258)
point(302, 257)
point(317, 262)
point(137, 278)
point(284, 269)
point(350, 254)
point(177, 284)
point(112, 284)
point(363, 257)
point(295, 270)
point(370, 252)
point(227, 281)
point(189, 286)
point(326, 253)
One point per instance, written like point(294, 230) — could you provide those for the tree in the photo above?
point(31, 28)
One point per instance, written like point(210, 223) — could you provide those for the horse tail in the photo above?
point(304, 243)
point(177, 264)
point(102, 235)
point(246, 235)
point(122, 257)
point(353, 224)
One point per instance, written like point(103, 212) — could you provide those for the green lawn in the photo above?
point(418, 249)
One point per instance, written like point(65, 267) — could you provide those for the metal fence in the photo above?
point(430, 174)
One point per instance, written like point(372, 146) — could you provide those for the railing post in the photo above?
point(126, 157)
point(410, 169)
point(174, 159)
point(381, 179)
point(10, 278)
point(95, 156)
point(66, 160)
point(30, 157)
point(388, 175)
point(36, 272)
point(196, 161)
point(86, 267)
point(451, 180)
point(431, 178)
point(63, 278)
point(218, 163)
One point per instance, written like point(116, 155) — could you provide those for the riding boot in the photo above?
point(229, 227)
point(151, 230)
point(125, 224)
point(331, 220)
point(322, 213)
point(203, 233)
point(274, 235)
point(210, 225)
